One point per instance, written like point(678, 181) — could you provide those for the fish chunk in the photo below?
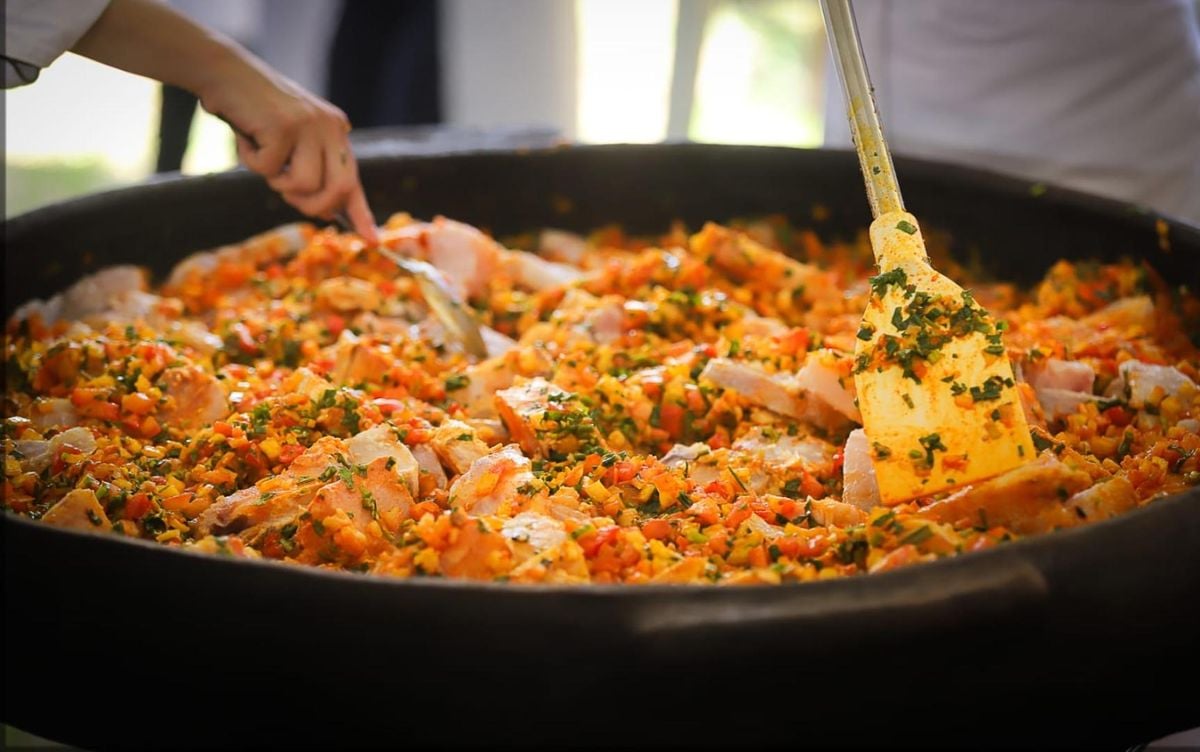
point(534, 531)
point(484, 380)
point(749, 262)
point(1061, 385)
point(428, 462)
point(822, 378)
point(491, 481)
point(468, 258)
point(523, 409)
point(560, 245)
point(776, 392)
point(1106, 499)
point(365, 496)
point(196, 398)
point(535, 272)
point(1137, 382)
point(95, 293)
point(381, 441)
point(810, 395)
point(1057, 403)
point(78, 510)
point(781, 451)
point(348, 294)
point(276, 500)
point(1029, 499)
point(358, 360)
point(836, 513)
point(37, 454)
point(698, 460)
point(859, 486)
point(457, 445)
point(53, 412)
point(1053, 373)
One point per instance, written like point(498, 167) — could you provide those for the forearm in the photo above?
point(151, 39)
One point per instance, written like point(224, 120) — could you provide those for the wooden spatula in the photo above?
point(934, 384)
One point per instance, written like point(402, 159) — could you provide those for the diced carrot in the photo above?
point(102, 410)
point(423, 508)
point(630, 556)
point(573, 476)
point(795, 341)
point(622, 472)
point(788, 545)
point(137, 403)
point(705, 512)
point(178, 502)
point(591, 542)
point(718, 544)
point(719, 439)
point(811, 486)
point(81, 396)
point(591, 462)
point(150, 426)
point(657, 529)
point(758, 557)
point(740, 514)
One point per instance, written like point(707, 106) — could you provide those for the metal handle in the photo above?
point(883, 192)
point(443, 301)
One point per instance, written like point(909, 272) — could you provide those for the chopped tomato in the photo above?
point(137, 506)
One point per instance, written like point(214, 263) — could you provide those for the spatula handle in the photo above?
point(883, 192)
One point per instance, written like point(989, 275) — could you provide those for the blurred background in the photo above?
point(745, 71)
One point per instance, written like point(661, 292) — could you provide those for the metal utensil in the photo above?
point(934, 383)
point(442, 300)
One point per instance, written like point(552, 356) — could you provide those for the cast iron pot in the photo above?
point(1084, 637)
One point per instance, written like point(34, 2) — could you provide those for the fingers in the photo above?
point(361, 217)
point(305, 171)
point(303, 150)
point(269, 157)
point(341, 189)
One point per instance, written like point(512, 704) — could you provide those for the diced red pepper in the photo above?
point(137, 506)
point(289, 453)
point(671, 419)
point(1118, 416)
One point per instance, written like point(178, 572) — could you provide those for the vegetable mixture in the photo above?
point(675, 409)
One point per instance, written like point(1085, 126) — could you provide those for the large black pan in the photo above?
point(1083, 637)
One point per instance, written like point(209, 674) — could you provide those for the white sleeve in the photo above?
point(37, 32)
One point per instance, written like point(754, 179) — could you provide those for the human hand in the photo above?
point(295, 139)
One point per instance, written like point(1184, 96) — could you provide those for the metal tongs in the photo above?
point(444, 302)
